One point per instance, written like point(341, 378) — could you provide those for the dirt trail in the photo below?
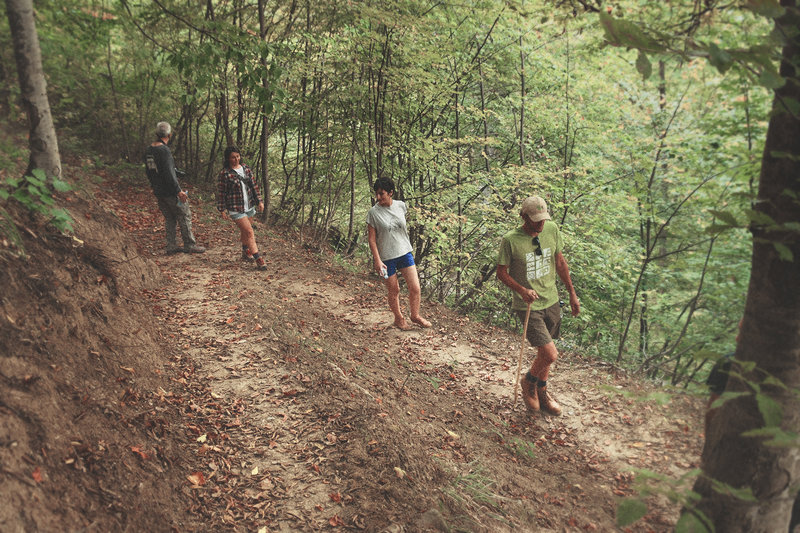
point(308, 413)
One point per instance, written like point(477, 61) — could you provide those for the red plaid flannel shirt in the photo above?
point(229, 190)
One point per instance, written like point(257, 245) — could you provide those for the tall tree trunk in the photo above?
point(237, 19)
point(214, 148)
point(522, 101)
point(28, 55)
point(460, 241)
point(770, 336)
point(352, 171)
point(126, 144)
point(379, 103)
point(485, 119)
point(265, 181)
point(5, 92)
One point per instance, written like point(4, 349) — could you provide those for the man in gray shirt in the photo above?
point(172, 200)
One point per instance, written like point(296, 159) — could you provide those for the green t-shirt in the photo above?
point(537, 272)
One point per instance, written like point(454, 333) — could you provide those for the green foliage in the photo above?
point(33, 191)
point(647, 150)
point(766, 8)
point(643, 127)
point(662, 398)
point(8, 229)
point(776, 436)
point(474, 486)
point(629, 511)
point(621, 32)
point(520, 447)
point(769, 409)
point(648, 483)
point(694, 522)
point(744, 494)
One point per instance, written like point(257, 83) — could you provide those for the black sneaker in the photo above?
point(194, 249)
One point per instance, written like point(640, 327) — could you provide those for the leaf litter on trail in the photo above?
point(273, 427)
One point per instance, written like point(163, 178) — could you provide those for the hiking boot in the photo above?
point(547, 403)
point(529, 393)
point(173, 251)
point(261, 264)
point(194, 249)
point(247, 257)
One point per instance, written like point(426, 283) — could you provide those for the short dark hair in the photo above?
point(228, 151)
point(384, 184)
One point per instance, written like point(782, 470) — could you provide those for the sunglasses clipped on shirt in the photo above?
point(538, 245)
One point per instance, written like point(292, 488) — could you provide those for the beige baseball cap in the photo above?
point(535, 207)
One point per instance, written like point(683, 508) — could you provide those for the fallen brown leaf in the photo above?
point(197, 479)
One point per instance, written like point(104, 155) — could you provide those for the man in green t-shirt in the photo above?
point(529, 259)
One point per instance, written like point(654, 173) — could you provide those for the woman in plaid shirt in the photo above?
point(237, 199)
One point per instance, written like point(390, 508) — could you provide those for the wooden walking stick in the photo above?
point(521, 352)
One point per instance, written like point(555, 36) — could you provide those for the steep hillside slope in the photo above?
point(86, 438)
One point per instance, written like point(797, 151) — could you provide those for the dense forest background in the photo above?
point(649, 164)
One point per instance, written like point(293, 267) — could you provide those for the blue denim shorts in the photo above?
point(236, 215)
point(398, 263)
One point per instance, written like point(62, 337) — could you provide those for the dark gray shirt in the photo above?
point(160, 168)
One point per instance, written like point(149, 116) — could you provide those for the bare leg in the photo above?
point(545, 357)
point(248, 236)
point(414, 295)
point(393, 288)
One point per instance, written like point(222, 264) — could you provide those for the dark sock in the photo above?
point(542, 384)
point(531, 378)
point(256, 256)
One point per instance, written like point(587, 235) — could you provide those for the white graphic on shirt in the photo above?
point(539, 266)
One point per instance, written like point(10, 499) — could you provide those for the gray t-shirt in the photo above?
point(390, 229)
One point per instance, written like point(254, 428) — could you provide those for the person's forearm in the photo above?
point(373, 247)
point(562, 269)
point(372, 239)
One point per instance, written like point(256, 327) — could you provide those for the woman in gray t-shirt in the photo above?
point(391, 251)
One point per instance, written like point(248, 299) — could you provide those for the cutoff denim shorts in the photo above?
point(236, 215)
point(398, 263)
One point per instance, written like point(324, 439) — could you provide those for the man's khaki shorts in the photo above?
point(544, 325)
